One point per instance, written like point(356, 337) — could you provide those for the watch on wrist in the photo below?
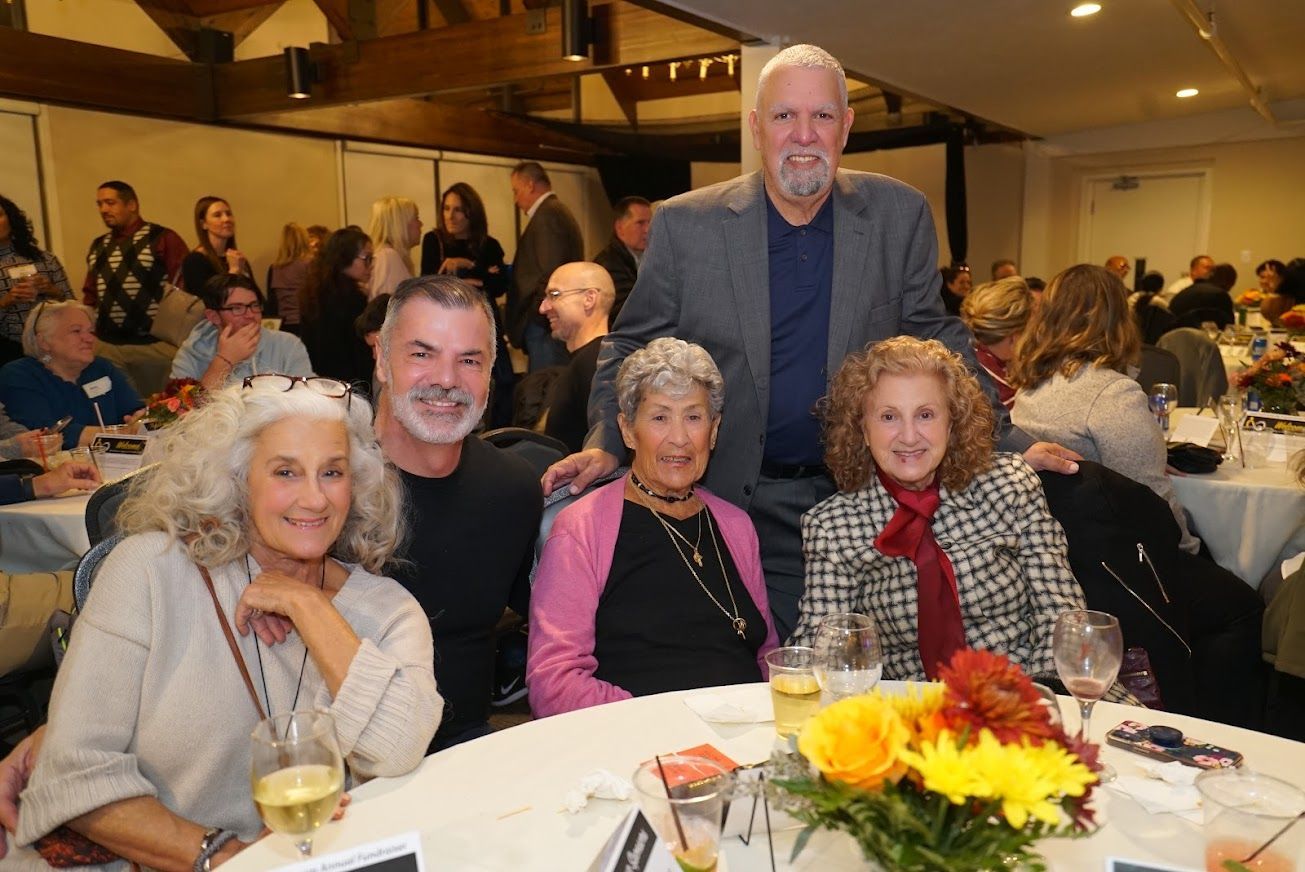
point(28, 485)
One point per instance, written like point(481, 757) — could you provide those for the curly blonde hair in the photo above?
point(199, 493)
point(972, 437)
point(1084, 320)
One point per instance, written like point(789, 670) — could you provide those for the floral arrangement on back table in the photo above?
point(1278, 377)
point(958, 775)
point(179, 396)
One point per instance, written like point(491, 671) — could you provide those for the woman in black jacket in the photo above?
point(332, 298)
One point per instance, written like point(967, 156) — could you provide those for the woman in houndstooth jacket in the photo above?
point(945, 542)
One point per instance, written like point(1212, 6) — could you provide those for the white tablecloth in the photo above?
point(43, 535)
point(462, 800)
point(1250, 518)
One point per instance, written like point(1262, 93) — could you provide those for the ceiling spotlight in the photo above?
point(300, 72)
point(1186, 92)
point(577, 32)
point(1083, 10)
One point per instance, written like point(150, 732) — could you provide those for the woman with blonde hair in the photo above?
point(997, 313)
point(395, 229)
point(287, 274)
point(944, 541)
point(1074, 377)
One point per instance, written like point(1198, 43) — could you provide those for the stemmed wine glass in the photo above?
point(1088, 647)
point(1162, 399)
point(297, 774)
point(846, 657)
point(1229, 409)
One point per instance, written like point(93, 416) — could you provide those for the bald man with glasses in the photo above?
point(577, 304)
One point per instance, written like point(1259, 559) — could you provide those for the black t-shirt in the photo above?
point(655, 630)
point(469, 552)
point(568, 402)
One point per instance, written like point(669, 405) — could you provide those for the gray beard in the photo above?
point(432, 428)
point(803, 183)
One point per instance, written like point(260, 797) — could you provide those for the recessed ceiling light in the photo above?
point(1187, 92)
point(1083, 10)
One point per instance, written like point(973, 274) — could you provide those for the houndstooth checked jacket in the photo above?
point(1008, 553)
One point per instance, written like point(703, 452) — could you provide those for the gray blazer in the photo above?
point(551, 239)
point(705, 278)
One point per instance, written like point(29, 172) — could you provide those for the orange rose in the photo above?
point(857, 741)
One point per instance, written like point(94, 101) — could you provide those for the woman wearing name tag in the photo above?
point(62, 376)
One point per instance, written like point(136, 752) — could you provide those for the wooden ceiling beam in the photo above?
point(452, 11)
point(426, 124)
point(47, 68)
point(477, 54)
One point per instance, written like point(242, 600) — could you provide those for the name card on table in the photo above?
point(118, 454)
point(1195, 429)
point(399, 854)
point(1115, 864)
point(634, 847)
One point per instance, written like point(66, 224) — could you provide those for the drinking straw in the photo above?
point(675, 815)
point(98, 414)
point(1284, 829)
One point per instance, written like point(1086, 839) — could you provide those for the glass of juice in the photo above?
point(1243, 811)
point(297, 774)
point(793, 687)
point(683, 799)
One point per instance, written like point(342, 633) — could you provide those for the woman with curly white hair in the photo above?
point(246, 587)
point(651, 583)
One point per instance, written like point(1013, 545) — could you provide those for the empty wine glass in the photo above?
point(846, 655)
point(1229, 409)
point(1088, 647)
point(297, 774)
point(1162, 400)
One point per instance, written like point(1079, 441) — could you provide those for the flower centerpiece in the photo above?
point(1294, 318)
point(178, 397)
point(955, 776)
point(1251, 298)
point(1278, 377)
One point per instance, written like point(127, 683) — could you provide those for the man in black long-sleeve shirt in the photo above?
point(474, 510)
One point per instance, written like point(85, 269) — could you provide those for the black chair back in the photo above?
point(1158, 367)
point(102, 508)
point(539, 450)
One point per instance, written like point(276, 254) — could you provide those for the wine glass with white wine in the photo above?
point(1088, 647)
point(297, 774)
point(846, 655)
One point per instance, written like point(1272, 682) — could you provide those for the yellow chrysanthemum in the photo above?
point(919, 708)
point(947, 770)
point(1029, 780)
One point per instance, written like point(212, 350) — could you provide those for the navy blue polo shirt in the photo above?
point(801, 285)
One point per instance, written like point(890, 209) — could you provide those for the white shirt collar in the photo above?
point(530, 213)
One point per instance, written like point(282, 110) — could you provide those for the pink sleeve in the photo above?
point(560, 664)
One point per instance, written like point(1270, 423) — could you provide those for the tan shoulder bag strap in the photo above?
point(231, 642)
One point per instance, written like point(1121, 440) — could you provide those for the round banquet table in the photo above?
point(43, 535)
point(495, 803)
point(1251, 518)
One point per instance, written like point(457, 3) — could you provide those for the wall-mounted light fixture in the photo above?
point(577, 30)
point(300, 72)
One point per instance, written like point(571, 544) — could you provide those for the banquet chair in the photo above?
point(1203, 377)
point(558, 500)
point(102, 508)
point(538, 449)
point(84, 574)
point(1158, 366)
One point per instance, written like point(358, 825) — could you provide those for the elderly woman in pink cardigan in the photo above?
point(651, 584)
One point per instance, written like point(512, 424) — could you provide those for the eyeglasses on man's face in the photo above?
point(559, 293)
point(275, 381)
point(239, 310)
point(366, 259)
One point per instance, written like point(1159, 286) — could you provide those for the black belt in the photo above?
point(791, 470)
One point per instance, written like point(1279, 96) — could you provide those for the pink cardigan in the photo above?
point(572, 572)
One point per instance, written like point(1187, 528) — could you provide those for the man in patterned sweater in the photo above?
point(127, 267)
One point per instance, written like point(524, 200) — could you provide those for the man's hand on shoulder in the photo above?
point(579, 470)
point(1052, 457)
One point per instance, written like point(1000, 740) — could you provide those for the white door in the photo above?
point(368, 176)
point(1163, 217)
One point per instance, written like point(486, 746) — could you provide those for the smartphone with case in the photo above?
point(1134, 736)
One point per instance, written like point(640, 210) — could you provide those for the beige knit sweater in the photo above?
point(149, 701)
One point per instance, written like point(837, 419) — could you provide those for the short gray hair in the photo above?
point(447, 292)
point(199, 493)
point(40, 317)
point(811, 57)
point(670, 366)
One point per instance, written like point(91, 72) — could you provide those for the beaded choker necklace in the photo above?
point(643, 488)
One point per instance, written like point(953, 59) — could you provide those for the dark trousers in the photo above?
point(776, 512)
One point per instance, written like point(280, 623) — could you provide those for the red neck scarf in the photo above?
point(909, 533)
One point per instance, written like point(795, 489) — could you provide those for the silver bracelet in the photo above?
point(212, 842)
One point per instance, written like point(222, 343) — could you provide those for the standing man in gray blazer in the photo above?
point(551, 238)
point(779, 275)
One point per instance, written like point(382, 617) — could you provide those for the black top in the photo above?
point(654, 629)
point(951, 302)
point(1202, 301)
point(197, 269)
point(620, 264)
point(568, 402)
point(490, 255)
point(333, 344)
point(469, 551)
